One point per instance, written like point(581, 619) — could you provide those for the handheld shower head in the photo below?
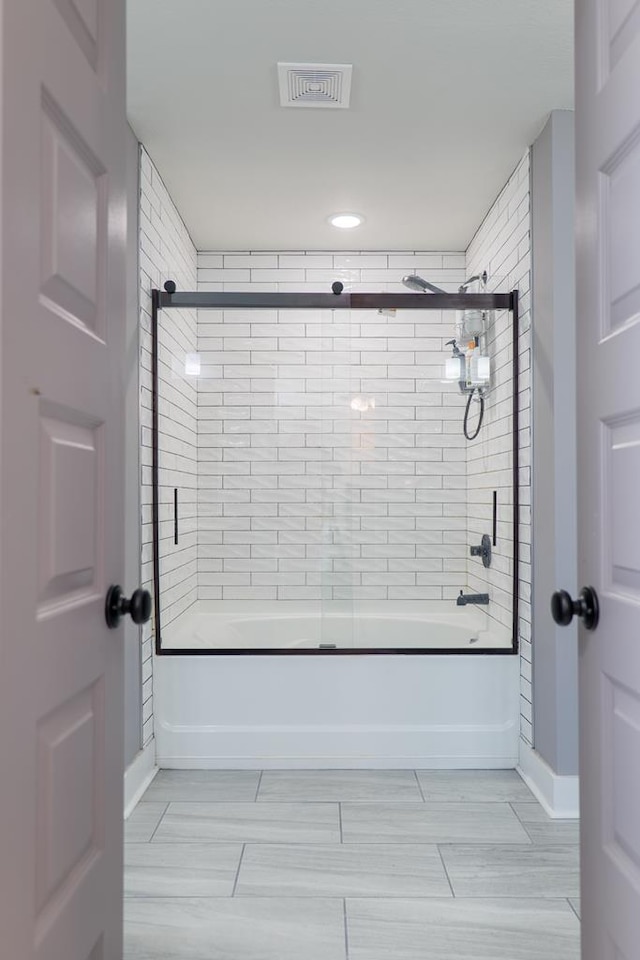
point(416, 283)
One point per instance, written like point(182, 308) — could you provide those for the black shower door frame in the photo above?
point(185, 300)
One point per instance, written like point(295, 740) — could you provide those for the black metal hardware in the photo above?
point(199, 300)
point(564, 608)
point(337, 288)
point(515, 366)
point(170, 299)
point(465, 598)
point(155, 453)
point(484, 550)
point(495, 518)
point(117, 606)
point(175, 517)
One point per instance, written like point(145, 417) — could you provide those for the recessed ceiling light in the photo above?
point(346, 221)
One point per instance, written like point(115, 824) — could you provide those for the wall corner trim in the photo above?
point(138, 776)
point(559, 795)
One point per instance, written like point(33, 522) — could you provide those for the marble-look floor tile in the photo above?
point(575, 904)
point(556, 831)
point(513, 871)
point(542, 828)
point(143, 822)
point(462, 930)
point(431, 823)
point(535, 813)
point(180, 870)
point(229, 929)
point(342, 871)
point(474, 786)
point(381, 785)
point(250, 822)
point(172, 785)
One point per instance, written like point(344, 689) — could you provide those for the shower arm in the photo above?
point(483, 277)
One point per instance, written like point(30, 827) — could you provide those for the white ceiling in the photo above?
point(447, 95)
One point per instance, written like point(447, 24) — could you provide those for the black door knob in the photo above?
point(117, 606)
point(564, 608)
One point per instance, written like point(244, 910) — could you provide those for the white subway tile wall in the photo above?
point(502, 247)
point(332, 461)
point(166, 252)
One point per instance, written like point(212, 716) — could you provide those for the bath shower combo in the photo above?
point(415, 677)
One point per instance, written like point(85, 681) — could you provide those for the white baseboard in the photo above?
point(560, 796)
point(138, 776)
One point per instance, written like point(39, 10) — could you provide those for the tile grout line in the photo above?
point(235, 882)
point(255, 799)
point(415, 773)
point(162, 816)
point(346, 927)
point(417, 898)
point(446, 872)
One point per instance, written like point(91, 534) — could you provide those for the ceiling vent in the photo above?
point(315, 85)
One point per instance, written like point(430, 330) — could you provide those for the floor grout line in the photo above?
point(362, 800)
point(235, 882)
point(255, 799)
point(419, 786)
point(157, 827)
point(346, 927)
point(446, 872)
point(419, 898)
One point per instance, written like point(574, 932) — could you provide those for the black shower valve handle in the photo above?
point(483, 550)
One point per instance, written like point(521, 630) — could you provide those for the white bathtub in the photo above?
point(254, 711)
point(290, 627)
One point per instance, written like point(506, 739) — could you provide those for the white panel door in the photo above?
point(62, 285)
point(608, 304)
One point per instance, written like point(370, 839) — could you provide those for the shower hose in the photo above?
point(472, 436)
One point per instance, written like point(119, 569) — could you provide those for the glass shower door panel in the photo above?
point(336, 465)
point(177, 465)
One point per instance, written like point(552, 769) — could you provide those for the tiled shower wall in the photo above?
point(502, 246)
point(332, 461)
point(166, 251)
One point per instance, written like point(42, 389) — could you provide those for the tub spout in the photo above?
point(465, 598)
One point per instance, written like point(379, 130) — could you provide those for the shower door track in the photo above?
point(195, 300)
point(334, 301)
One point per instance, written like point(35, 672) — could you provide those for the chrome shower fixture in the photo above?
point(482, 277)
point(416, 283)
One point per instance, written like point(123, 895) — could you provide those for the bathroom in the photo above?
point(319, 460)
point(338, 539)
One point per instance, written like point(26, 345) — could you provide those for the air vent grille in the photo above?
point(325, 85)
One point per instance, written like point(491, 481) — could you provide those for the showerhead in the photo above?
point(414, 282)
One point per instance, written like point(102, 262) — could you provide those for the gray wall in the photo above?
point(132, 666)
point(555, 661)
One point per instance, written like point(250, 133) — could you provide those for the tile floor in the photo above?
point(348, 865)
